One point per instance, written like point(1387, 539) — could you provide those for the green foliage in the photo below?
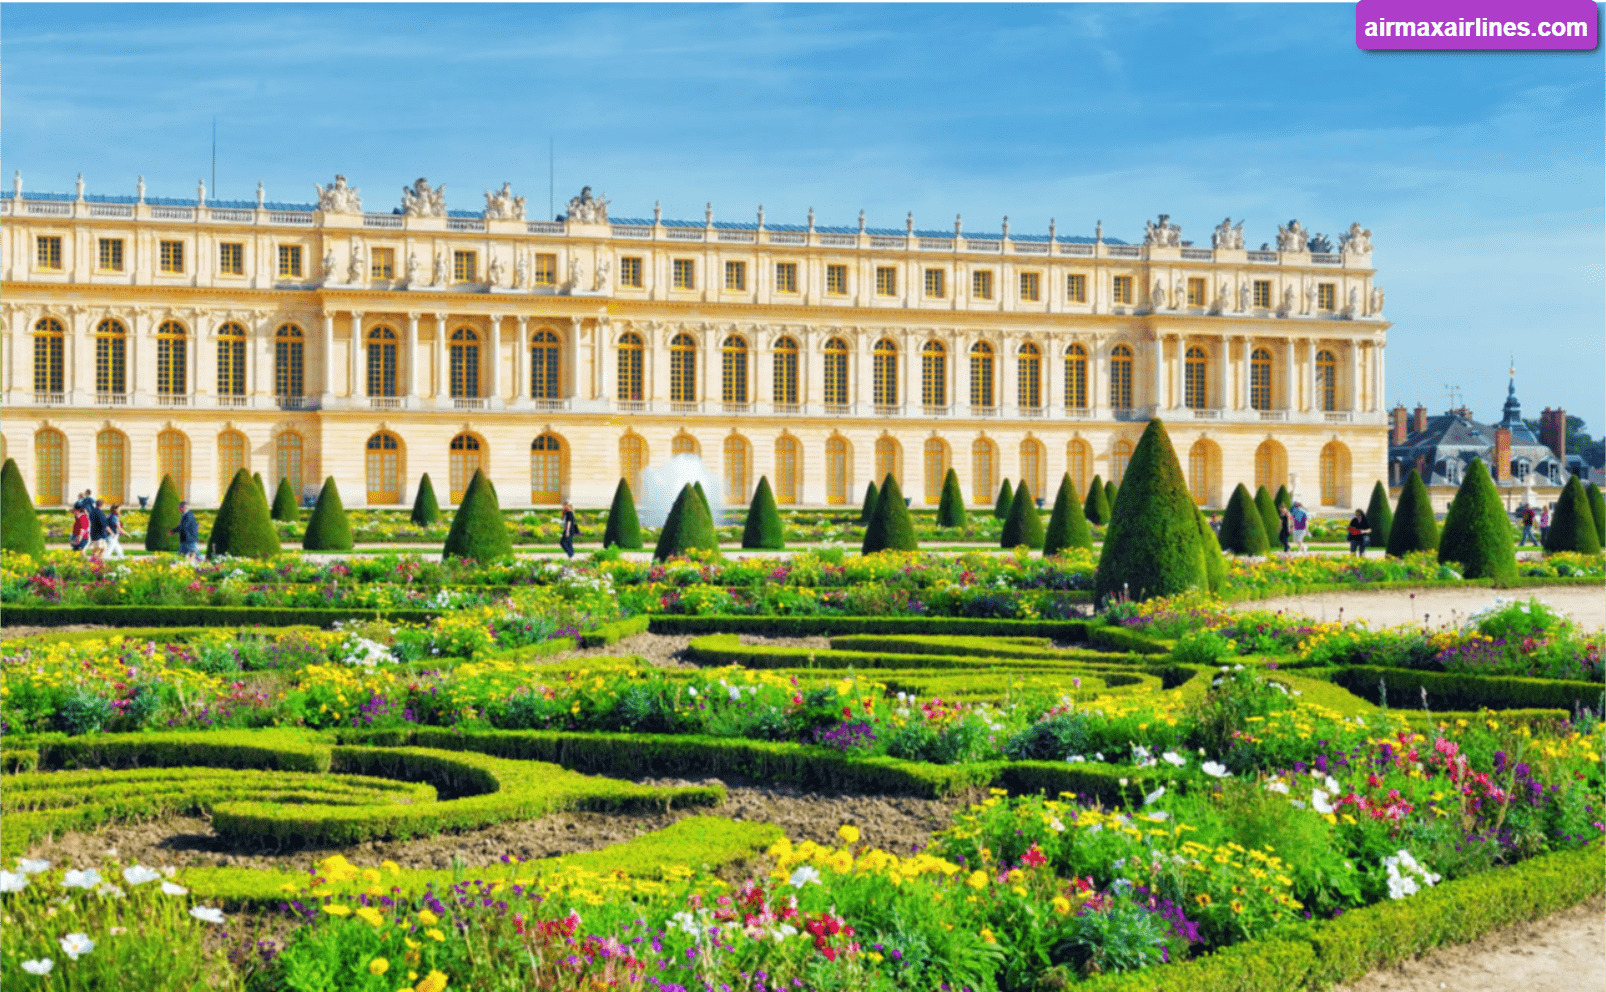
point(688, 527)
point(1152, 545)
point(327, 528)
point(703, 498)
point(1111, 491)
point(478, 531)
point(870, 496)
point(1215, 563)
point(1414, 527)
point(764, 528)
point(19, 523)
point(143, 615)
point(890, 528)
point(1067, 526)
point(1466, 690)
point(1024, 526)
point(1096, 508)
point(1477, 533)
point(426, 509)
point(1282, 500)
point(1597, 506)
point(624, 527)
point(1379, 516)
point(951, 511)
point(285, 502)
point(1572, 526)
point(795, 626)
point(262, 487)
point(164, 517)
point(1270, 519)
point(1243, 532)
point(242, 528)
point(1006, 501)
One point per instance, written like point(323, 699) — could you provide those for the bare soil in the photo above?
point(1436, 607)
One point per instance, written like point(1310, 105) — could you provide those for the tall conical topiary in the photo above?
point(688, 527)
point(1379, 517)
point(1067, 527)
point(1477, 532)
point(1414, 528)
point(1242, 532)
point(478, 531)
point(1024, 525)
point(242, 527)
point(624, 527)
point(327, 528)
point(1111, 491)
point(1597, 506)
point(426, 508)
point(763, 528)
point(890, 529)
point(1270, 519)
point(871, 494)
point(1096, 508)
point(1214, 562)
point(262, 487)
point(19, 522)
point(1152, 545)
point(1572, 526)
point(1282, 500)
point(1006, 501)
point(951, 509)
point(708, 509)
point(164, 517)
point(285, 502)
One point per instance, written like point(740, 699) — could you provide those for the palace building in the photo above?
point(148, 336)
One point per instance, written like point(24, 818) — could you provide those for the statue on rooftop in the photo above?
point(338, 198)
point(1293, 237)
point(421, 200)
point(1355, 241)
point(584, 209)
point(1162, 235)
point(1228, 236)
point(504, 205)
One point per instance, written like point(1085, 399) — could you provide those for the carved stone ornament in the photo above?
point(420, 200)
point(1293, 237)
point(1162, 235)
point(494, 271)
point(584, 209)
point(1228, 235)
point(1355, 241)
point(600, 282)
point(338, 198)
point(1157, 298)
point(504, 205)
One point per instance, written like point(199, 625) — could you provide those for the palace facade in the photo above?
point(151, 336)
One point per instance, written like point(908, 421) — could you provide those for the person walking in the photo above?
point(79, 539)
point(97, 528)
point(1544, 525)
point(1285, 532)
point(1359, 528)
point(568, 529)
point(1301, 521)
point(114, 532)
point(85, 500)
point(1526, 516)
point(188, 531)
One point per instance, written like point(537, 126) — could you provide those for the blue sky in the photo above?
point(1479, 173)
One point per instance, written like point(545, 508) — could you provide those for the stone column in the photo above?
point(1223, 390)
point(1156, 374)
point(1290, 384)
point(1246, 370)
point(1377, 373)
point(412, 360)
point(1356, 371)
point(328, 357)
point(192, 358)
point(1311, 402)
point(521, 359)
point(359, 381)
point(493, 392)
point(442, 384)
point(1008, 377)
point(1177, 363)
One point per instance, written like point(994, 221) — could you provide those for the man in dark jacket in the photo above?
point(568, 529)
point(188, 531)
point(97, 528)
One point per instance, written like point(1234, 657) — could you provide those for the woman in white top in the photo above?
point(114, 532)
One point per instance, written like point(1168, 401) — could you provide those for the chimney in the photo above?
point(1400, 429)
point(1419, 419)
point(1553, 432)
point(1501, 469)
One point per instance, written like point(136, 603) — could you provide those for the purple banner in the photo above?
point(1476, 25)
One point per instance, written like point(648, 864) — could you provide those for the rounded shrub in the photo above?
point(426, 508)
point(1214, 562)
point(951, 509)
point(1379, 516)
point(1006, 501)
point(1270, 519)
point(1572, 526)
point(688, 527)
point(1597, 506)
point(327, 528)
point(478, 531)
point(1414, 528)
point(19, 521)
point(1477, 532)
point(1067, 527)
point(164, 517)
point(243, 528)
point(871, 494)
point(1152, 545)
point(285, 505)
point(890, 528)
point(1096, 508)
point(1242, 531)
point(1023, 526)
point(763, 528)
point(624, 526)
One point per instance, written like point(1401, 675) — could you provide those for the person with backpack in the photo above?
point(97, 528)
point(1526, 515)
point(1301, 522)
point(188, 531)
point(1358, 530)
point(568, 529)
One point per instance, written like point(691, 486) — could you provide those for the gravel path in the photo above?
point(1385, 608)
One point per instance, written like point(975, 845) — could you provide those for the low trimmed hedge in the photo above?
point(277, 750)
point(1234, 594)
point(201, 616)
point(1120, 639)
point(1073, 631)
point(726, 649)
point(1463, 691)
point(613, 633)
point(1030, 648)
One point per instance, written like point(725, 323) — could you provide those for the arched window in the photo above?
point(836, 470)
point(737, 475)
point(288, 362)
point(786, 372)
point(1078, 456)
point(1271, 466)
point(545, 383)
point(836, 372)
point(936, 469)
point(1201, 472)
point(684, 444)
point(934, 374)
point(111, 357)
point(111, 466)
point(885, 362)
point(172, 458)
point(1121, 378)
point(465, 365)
point(546, 470)
point(886, 460)
point(384, 469)
point(983, 471)
point(171, 351)
point(49, 451)
point(1076, 377)
point(465, 459)
point(1029, 377)
point(382, 362)
point(1031, 466)
point(981, 375)
point(231, 457)
point(1193, 379)
point(1120, 457)
point(49, 339)
point(231, 360)
point(787, 455)
point(630, 380)
point(1334, 471)
point(733, 370)
point(1260, 379)
point(683, 369)
point(632, 459)
point(287, 460)
point(1326, 381)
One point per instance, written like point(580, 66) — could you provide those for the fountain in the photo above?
point(660, 484)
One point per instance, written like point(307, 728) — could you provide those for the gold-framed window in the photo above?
point(936, 284)
point(172, 459)
point(465, 456)
point(1031, 287)
point(231, 349)
point(545, 272)
point(886, 460)
point(1262, 293)
point(1260, 379)
point(171, 353)
point(836, 372)
point(1326, 381)
point(1121, 290)
point(546, 470)
point(737, 462)
point(170, 257)
point(49, 370)
point(629, 271)
point(1194, 394)
point(735, 277)
point(465, 363)
point(231, 457)
point(981, 284)
point(630, 353)
point(836, 470)
point(836, 280)
point(111, 466)
point(1077, 458)
point(1196, 293)
point(231, 258)
point(111, 357)
point(1121, 378)
point(47, 252)
point(981, 376)
point(983, 470)
point(1029, 377)
point(785, 360)
point(109, 255)
point(788, 455)
point(683, 369)
point(1326, 296)
point(465, 266)
point(382, 263)
point(733, 369)
point(1076, 377)
point(934, 374)
point(786, 277)
point(632, 459)
point(287, 462)
point(684, 273)
point(49, 456)
point(289, 352)
point(1031, 467)
point(1076, 288)
point(382, 356)
point(884, 373)
point(886, 280)
point(546, 381)
point(382, 462)
point(290, 261)
point(936, 458)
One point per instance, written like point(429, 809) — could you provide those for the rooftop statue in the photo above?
point(339, 198)
point(583, 209)
point(504, 205)
point(1293, 237)
point(1355, 241)
point(419, 200)
point(1228, 236)
point(1164, 234)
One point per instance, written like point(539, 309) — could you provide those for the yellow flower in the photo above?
point(1014, 876)
point(848, 834)
point(435, 981)
point(435, 935)
point(1202, 898)
point(987, 935)
point(1062, 905)
point(977, 880)
point(371, 916)
point(334, 910)
point(427, 918)
point(1237, 907)
point(378, 966)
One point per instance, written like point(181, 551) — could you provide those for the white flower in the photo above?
point(1215, 769)
point(1318, 802)
point(39, 967)
point(207, 914)
point(805, 875)
point(75, 879)
point(139, 875)
point(735, 693)
point(686, 923)
point(12, 881)
point(1237, 668)
point(108, 889)
point(168, 888)
point(1098, 755)
point(1332, 785)
point(30, 866)
point(1056, 826)
point(1158, 816)
point(692, 692)
point(1174, 758)
point(1276, 786)
point(1074, 759)
point(75, 944)
point(1151, 797)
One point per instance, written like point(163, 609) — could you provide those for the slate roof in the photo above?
point(1451, 440)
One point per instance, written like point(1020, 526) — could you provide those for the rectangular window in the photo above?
point(936, 284)
point(1262, 294)
point(49, 252)
point(172, 257)
point(111, 255)
point(1122, 289)
point(786, 277)
point(1030, 287)
point(886, 281)
point(685, 273)
point(1076, 288)
point(736, 276)
point(1326, 296)
point(981, 284)
point(836, 280)
point(546, 270)
point(629, 271)
point(290, 261)
point(231, 259)
point(382, 264)
point(464, 266)
point(1196, 292)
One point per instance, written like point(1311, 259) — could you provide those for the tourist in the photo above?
point(1301, 521)
point(85, 500)
point(114, 532)
point(80, 529)
point(1286, 531)
point(1358, 531)
point(1544, 524)
point(188, 531)
point(97, 528)
point(568, 529)
point(1526, 515)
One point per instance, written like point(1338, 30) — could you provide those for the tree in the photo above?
point(1024, 526)
point(262, 487)
point(763, 528)
point(890, 528)
point(164, 517)
point(868, 510)
point(1270, 519)
point(708, 509)
point(951, 510)
point(327, 528)
point(1379, 517)
point(1414, 528)
point(1597, 506)
point(1096, 508)
point(1151, 547)
point(1214, 562)
point(1282, 500)
point(688, 527)
point(19, 521)
point(1477, 532)
point(1067, 526)
point(478, 531)
point(285, 502)
point(1111, 491)
point(426, 509)
point(1242, 531)
point(624, 527)
point(1006, 501)
point(242, 527)
point(1572, 526)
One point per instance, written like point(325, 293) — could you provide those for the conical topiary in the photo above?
point(702, 495)
point(1096, 508)
point(1597, 506)
point(1024, 525)
point(1152, 545)
point(1242, 531)
point(688, 527)
point(1006, 501)
point(19, 522)
point(284, 502)
point(868, 510)
point(1215, 563)
point(1414, 528)
point(1067, 527)
point(164, 517)
point(624, 527)
point(890, 529)
point(951, 510)
point(1572, 526)
point(1270, 519)
point(1477, 532)
point(327, 528)
point(763, 528)
point(426, 508)
point(1111, 491)
point(1379, 517)
point(478, 531)
point(262, 487)
point(1282, 500)
point(243, 528)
